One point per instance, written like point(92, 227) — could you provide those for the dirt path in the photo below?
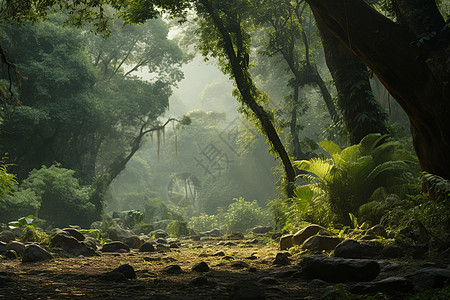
point(83, 277)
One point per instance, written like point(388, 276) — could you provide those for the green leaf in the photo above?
point(351, 153)
point(331, 147)
point(14, 224)
point(369, 142)
point(304, 192)
point(29, 219)
point(353, 220)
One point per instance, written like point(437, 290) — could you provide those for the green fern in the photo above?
point(438, 185)
point(350, 176)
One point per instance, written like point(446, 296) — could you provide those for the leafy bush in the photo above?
point(155, 210)
point(22, 203)
point(242, 215)
point(434, 216)
point(63, 200)
point(177, 228)
point(23, 222)
point(342, 183)
point(206, 222)
point(130, 218)
point(7, 181)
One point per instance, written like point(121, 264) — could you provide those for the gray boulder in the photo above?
point(268, 280)
point(116, 246)
point(91, 242)
point(301, 236)
point(261, 229)
point(201, 281)
point(133, 242)
point(162, 248)
point(7, 236)
point(392, 251)
point(201, 267)
point(429, 278)
point(3, 247)
point(336, 269)
point(35, 253)
point(119, 234)
point(121, 273)
point(357, 249)
point(282, 259)
point(239, 264)
point(147, 247)
point(172, 269)
point(319, 243)
point(391, 285)
point(213, 233)
point(159, 233)
point(18, 247)
point(72, 245)
point(246, 289)
point(75, 233)
point(286, 241)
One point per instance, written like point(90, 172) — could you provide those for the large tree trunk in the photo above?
point(413, 69)
point(361, 112)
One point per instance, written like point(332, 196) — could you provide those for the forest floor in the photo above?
point(83, 277)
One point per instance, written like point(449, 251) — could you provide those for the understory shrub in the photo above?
point(240, 216)
point(23, 202)
point(7, 180)
point(350, 177)
point(431, 209)
point(155, 210)
point(63, 201)
point(206, 222)
point(177, 228)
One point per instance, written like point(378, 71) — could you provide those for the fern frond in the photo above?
point(388, 174)
point(369, 142)
point(440, 185)
point(351, 153)
point(392, 151)
point(319, 167)
point(331, 148)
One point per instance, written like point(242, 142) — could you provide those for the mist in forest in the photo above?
point(207, 166)
point(148, 120)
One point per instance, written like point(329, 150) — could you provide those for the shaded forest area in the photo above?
point(340, 138)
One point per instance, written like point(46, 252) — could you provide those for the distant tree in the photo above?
point(232, 39)
point(131, 48)
point(225, 36)
point(287, 36)
point(57, 74)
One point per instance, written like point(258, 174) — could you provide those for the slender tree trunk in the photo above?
point(296, 149)
point(412, 63)
point(102, 182)
point(248, 92)
point(361, 112)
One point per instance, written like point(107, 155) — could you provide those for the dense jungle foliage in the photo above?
point(85, 129)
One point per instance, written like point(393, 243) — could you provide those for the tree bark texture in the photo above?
point(414, 69)
point(361, 112)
